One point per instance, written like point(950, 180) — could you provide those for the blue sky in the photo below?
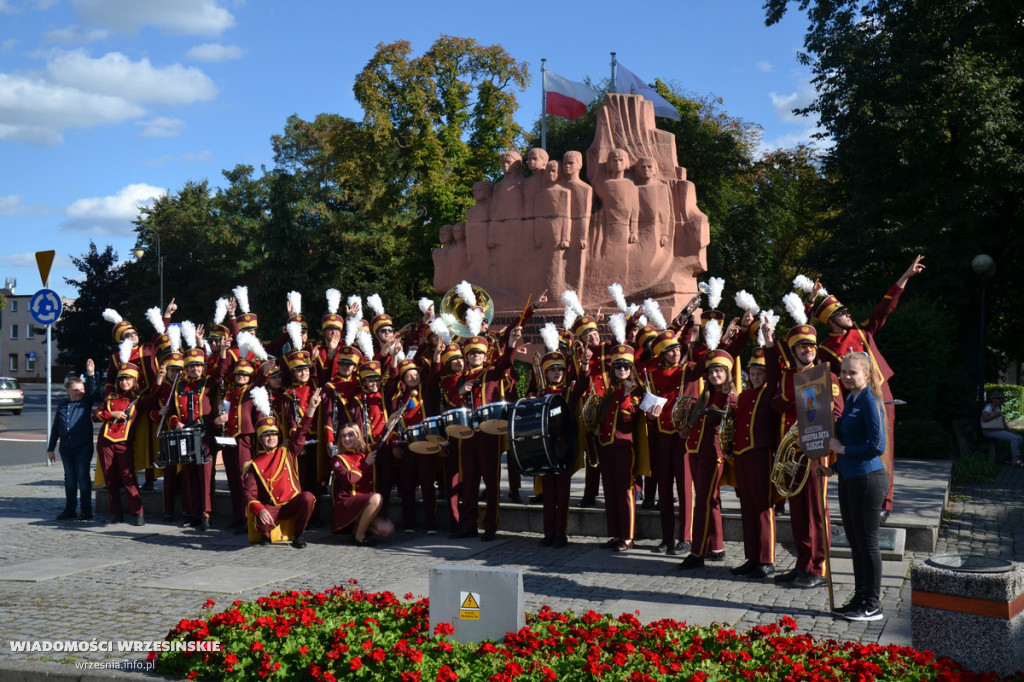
point(105, 104)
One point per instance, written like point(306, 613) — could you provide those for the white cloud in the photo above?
point(765, 67)
point(14, 205)
point(37, 112)
point(116, 74)
point(784, 104)
point(111, 214)
point(179, 17)
point(214, 52)
point(5, 7)
point(75, 35)
point(162, 126)
point(189, 157)
point(8, 44)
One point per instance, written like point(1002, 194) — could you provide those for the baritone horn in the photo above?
point(454, 307)
point(790, 467)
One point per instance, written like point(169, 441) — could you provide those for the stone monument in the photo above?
point(635, 223)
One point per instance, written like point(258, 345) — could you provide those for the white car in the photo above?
point(11, 396)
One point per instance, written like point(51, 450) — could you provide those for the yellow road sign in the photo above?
point(44, 259)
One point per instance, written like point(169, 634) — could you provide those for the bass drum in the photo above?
point(542, 435)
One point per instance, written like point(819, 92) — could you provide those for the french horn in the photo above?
point(790, 466)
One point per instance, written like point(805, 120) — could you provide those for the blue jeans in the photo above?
point(1014, 439)
point(860, 504)
point(76, 463)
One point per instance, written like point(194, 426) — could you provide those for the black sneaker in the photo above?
point(488, 535)
point(586, 502)
point(717, 556)
point(682, 546)
point(788, 576)
point(85, 516)
point(692, 561)
point(849, 607)
point(66, 515)
point(298, 542)
point(140, 519)
point(864, 614)
point(763, 571)
point(204, 523)
point(663, 547)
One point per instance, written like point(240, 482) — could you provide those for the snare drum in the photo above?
point(416, 439)
point(433, 429)
point(542, 435)
point(492, 418)
point(182, 446)
point(458, 423)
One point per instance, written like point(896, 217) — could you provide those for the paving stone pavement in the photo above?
point(84, 580)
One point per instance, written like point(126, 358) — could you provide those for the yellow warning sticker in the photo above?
point(469, 608)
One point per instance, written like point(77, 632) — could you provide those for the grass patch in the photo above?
point(974, 469)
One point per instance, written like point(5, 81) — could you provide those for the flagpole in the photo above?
point(543, 106)
point(613, 88)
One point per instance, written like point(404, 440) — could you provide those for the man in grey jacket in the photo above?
point(72, 426)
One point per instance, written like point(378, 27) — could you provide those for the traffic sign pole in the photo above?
point(46, 308)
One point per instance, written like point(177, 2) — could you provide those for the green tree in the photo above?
point(923, 101)
point(82, 333)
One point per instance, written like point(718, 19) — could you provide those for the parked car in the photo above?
point(11, 396)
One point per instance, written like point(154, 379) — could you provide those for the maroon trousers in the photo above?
point(299, 508)
point(174, 484)
point(753, 487)
point(480, 459)
point(385, 475)
point(671, 469)
point(118, 463)
point(415, 470)
point(198, 488)
point(707, 505)
point(591, 475)
point(235, 458)
point(805, 512)
point(619, 500)
point(452, 484)
point(555, 487)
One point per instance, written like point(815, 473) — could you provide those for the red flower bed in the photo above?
point(346, 633)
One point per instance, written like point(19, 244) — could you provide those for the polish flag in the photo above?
point(566, 98)
point(628, 83)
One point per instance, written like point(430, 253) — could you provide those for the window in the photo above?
point(14, 331)
point(14, 306)
point(30, 362)
point(14, 362)
point(30, 331)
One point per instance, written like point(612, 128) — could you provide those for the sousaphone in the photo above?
point(454, 307)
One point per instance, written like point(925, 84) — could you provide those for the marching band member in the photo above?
point(355, 501)
point(368, 409)
point(704, 444)
point(167, 377)
point(114, 446)
point(669, 460)
point(555, 484)
point(481, 383)
point(845, 335)
point(271, 478)
point(297, 407)
point(237, 422)
point(415, 469)
point(757, 437)
point(808, 509)
point(449, 362)
point(619, 406)
point(327, 354)
point(191, 406)
point(590, 360)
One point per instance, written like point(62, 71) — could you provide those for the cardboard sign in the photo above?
point(814, 418)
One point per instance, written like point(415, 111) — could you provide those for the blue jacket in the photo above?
point(72, 423)
point(861, 429)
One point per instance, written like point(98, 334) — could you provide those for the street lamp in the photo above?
point(985, 268)
point(139, 250)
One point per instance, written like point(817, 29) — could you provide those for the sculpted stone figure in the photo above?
point(443, 275)
point(615, 225)
point(504, 228)
point(552, 228)
point(477, 221)
point(582, 199)
point(652, 254)
point(536, 162)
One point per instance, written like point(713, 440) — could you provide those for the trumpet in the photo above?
point(687, 312)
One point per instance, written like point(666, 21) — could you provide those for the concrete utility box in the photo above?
point(480, 603)
point(971, 609)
